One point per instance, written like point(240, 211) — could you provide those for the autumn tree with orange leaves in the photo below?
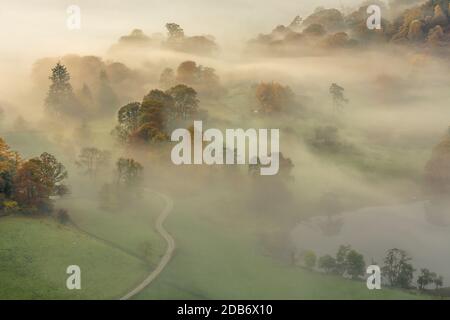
point(273, 97)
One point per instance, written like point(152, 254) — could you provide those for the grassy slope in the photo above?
point(130, 228)
point(217, 262)
point(34, 255)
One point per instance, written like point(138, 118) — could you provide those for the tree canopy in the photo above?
point(60, 98)
point(31, 183)
point(148, 121)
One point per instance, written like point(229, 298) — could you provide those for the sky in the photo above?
point(33, 29)
point(38, 27)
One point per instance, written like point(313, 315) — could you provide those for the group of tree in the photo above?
point(177, 40)
point(150, 120)
point(426, 278)
point(203, 79)
point(91, 160)
point(347, 262)
point(397, 270)
point(413, 23)
point(126, 184)
point(29, 185)
point(62, 101)
point(272, 97)
point(265, 188)
point(324, 29)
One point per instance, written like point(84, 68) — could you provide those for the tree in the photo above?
point(337, 94)
point(30, 188)
point(309, 258)
point(85, 96)
point(128, 119)
point(106, 97)
point(188, 73)
point(202, 45)
point(425, 278)
point(60, 98)
point(93, 160)
point(62, 215)
point(355, 264)
point(53, 172)
point(398, 269)
point(203, 79)
point(128, 116)
point(155, 108)
point(315, 29)
point(5, 151)
point(175, 32)
point(9, 161)
point(438, 282)
point(327, 263)
point(341, 259)
point(146, 121)
point(185, 101)
point(347, 262)
point(208, 76)
point(29, 183)
point(129, 172)
point(167, 78)
point(273, 97)
point(177, 40)
point(153, 116)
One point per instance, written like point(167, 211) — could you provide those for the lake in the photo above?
point(423, 233)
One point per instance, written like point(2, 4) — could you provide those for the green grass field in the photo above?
point(216, 261)
point(212, 261)
point(131, 228)
point(35, 253)
point(217, 257)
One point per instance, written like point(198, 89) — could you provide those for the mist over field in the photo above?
point(86, 118)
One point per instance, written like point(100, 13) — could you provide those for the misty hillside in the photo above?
point(269, 161)
point(424, 25)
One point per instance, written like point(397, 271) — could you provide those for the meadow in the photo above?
point(35, 253)
point(362, 125)
point(216, 259)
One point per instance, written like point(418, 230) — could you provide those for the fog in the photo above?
point(374, 156)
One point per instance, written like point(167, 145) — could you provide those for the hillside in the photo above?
point(424, 25)
point(35, 253)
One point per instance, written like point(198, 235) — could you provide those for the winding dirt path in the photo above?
point(169, 251)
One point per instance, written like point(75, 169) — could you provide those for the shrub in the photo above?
point(309, 259)
point(10, 206)
point(63, 216)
